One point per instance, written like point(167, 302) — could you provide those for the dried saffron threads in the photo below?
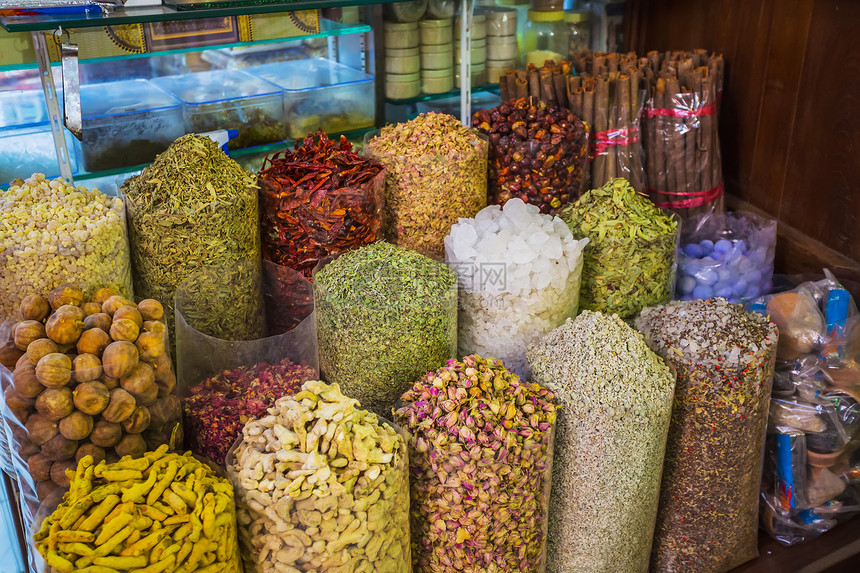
point(318, 199)
point(217, 408)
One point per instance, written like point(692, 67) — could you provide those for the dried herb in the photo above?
point(630, 259)
point(480, 456)
point(318, 200)
point(194, 208)
point(724, 357)
point(385, 316)
point(217, 408)
point(435, 173)
point(609, 442)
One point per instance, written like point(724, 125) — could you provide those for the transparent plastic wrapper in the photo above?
point(435, 173)
point(682, 142)
point(304, 220)
point(58, 233)
point(708, 515)
point(223, 383)
point(98, 384)
point(519, 273)
point(140, 514)
point(480, 496)
point(810, 482)
point(193, 208)
point(616, 150)
point(609, 443)
point(345, 506)
point(385, 316)
point(537, 153)
point(729, 255)
point(405, 12)
point(631, 257)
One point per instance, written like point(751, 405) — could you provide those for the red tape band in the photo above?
point(709, 109)
point(696, 199)
point(605, 139)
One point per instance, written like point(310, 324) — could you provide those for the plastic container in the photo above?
point(729, 255)
point(437, 57)
point(479, 75)
point(501, 22)
point(404, 61)
point(498, 68)
point(229, 99)
point(242, 57)
point(127, 123)
point(399, 36)
point(479, 25)
point(451, 105)
point(579, 31)
point(502, 48)
point(440, 9)
point(26, 141)
point(402, 86)
point(404, 12)
point(436, 32)
point(478, 55)
point(321, 94)
point(545, 37)
point(437, 81)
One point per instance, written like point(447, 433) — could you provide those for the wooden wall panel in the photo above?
point(790, 125)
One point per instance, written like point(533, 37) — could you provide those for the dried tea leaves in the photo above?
point(630, 260)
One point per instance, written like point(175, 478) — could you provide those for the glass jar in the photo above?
point(545, 37)
point(579, 31)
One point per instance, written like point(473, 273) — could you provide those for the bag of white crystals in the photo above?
point(519, 273)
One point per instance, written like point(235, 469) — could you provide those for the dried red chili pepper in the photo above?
point(318, 199)
point(215, 411)
point(537, 153)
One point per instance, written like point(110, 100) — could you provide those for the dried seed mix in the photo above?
point(615, 399)
point(724, 358)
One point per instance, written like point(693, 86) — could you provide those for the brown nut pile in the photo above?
point(158, 513)
point(537, 153)
point(91, 378)
point(480, 456)
point(322, 486)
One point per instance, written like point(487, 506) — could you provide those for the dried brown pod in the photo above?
point(93, 341)
point(99, 320)
point(87, 367)
point(129, 312)
point(150, 346)
point(119, 359)
point(39, 348)
point(58, 472)
point(59, 448)
point(124, 329)
point(55, 403)
point(40, 467)
point(120, 407)
point(141, 384)
point(90, 449)
point(27, 332)
point(20, 406)
point(25, 381)
point(76, 426)
point(106, 434)
point(10, 354)
point(158, 414)
point(112, 304)
point(110, 383)
point(91, 308)
point(131, 445)
point(66, 325)
point(91, 397)
point(150, 309)
point(101, 295)
point(66, 294)
point(54, 370)
point(35, 307)
point(45, 488)
point(155, 326)
point(138, 421)
point(40, 429)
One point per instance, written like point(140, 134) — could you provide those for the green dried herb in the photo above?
point(630, 259)
point(195, 208)
point(385, 317)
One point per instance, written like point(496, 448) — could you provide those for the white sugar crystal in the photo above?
point(537, 239)
point(552, 248)
point(516, 211)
